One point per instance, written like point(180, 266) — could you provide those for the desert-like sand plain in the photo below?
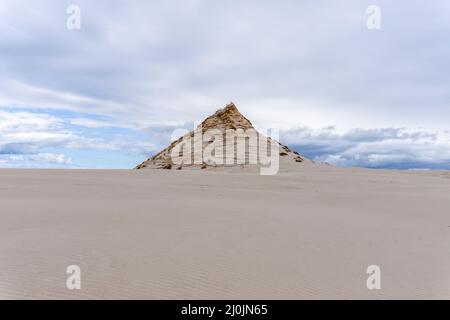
point(308, 233)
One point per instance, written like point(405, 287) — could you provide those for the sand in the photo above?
point(308, 233)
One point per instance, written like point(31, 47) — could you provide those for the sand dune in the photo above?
point(224, 139)
point(152, 234)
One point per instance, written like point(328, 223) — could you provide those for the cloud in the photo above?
point(39, 160)
point(294, 63)
point(138, 69)
point(376, 148)
point(24, 132)
point(28, 137)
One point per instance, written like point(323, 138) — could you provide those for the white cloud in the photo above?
point(39, 160)
point(18, 121)
point(296, 63)
point(27, 134)
point(90, 123)
point(383, 147)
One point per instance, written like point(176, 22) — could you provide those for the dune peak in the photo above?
point(224, 120)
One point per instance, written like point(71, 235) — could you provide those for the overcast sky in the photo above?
point(110, 94)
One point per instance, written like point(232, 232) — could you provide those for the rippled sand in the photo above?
point(305, 233)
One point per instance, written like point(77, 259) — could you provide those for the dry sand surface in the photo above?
point(155, 234)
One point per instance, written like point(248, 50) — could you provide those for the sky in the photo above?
point(111, 93)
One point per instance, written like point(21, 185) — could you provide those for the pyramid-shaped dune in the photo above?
point(224, 139)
